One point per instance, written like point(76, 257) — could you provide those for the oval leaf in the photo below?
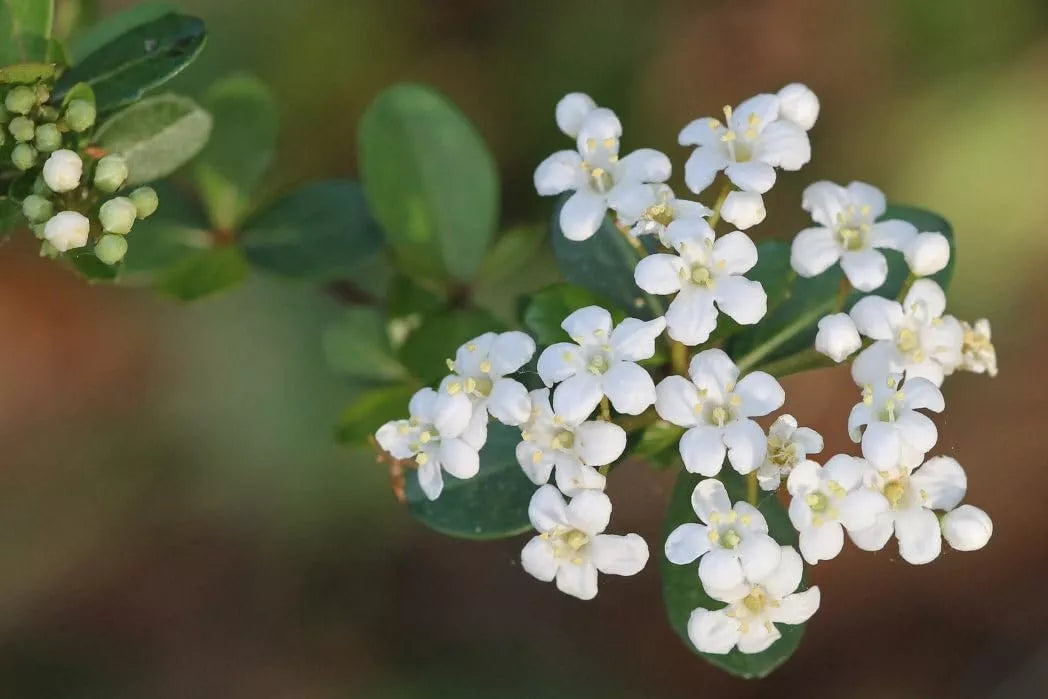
point(357, 345)
point(25, 26)
point(426, 350)
point(203, 272)
point(27, 73)
point(370, 410)
point(101, 33)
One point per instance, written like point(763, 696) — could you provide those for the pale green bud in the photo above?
point(42, 93)
point(110, 173)
point(20, 99)
point(23, 156)
point(80, 115)
point(37, 209)
point(117, 215)
point(22, 128)
point(145, 201)
point(48, 113)
point(111, 249)
point(48, 138)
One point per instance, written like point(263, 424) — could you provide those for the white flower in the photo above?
point(837, 337)
point(748, 622)
point(743, 209)
point(977, 352)
point(571, 547)
point(848, 232)
point(732, 543)
point(434, 437)
point(62, 171)
point(648, 209)
point(572, 110)
point(966, 528)
point(479, 372)
point(748, 147)
point(797, 103)
point(788, 445)
point(705, 274)
point(596, 174)
point(927, 254)
point(717, 408)
point(913, 496)
point(826, 498)
point(67, 230)
point(911, 337)
point(894, 431)
point(572, 446)
point(601, 362)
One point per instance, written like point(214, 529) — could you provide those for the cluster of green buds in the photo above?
point(33, 127)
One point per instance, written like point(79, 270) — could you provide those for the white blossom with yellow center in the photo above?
point(788, 445)
point(888, 425)
point(648, 209)
point(977, 352)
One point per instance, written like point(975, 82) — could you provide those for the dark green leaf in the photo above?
point(137, 61)
point(90, 267)
point(318, 231)
point(513, 250)
point(241, 148)
point(548, 308)
point(25, 28)
point(407, 298)
point(491, 505)
point(156, 136)
point(426, 349)
point(11, 218)
point(658, 443)
point(101, 33)
point(370, 410)
point(203, 272)
point(176, 231)
point(357, 345)
point(27, 73)
point(682, 591)
point(430, 181)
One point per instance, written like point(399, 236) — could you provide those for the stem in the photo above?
point(802, 361)
point(751, 488)
point(714, 218)
point(842, 294)
point(788, 332)
point(906, 286)
point(634, 243)
point(679, 357)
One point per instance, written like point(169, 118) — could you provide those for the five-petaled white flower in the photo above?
point(649, 209)
point(837, 337)
point(717, 406)
point(705, 274)
point(732, 543)
point(596, 174)
point(788, 445)
point(574, 447)
point(977, 352)
point(434, 437)
point(848, 232)
point(913, 496)
point(827, 498)
point(748, 146)
point(912, 337)
point(888, 424)
point(754, 608)
point(571, 546)
point(601, 362)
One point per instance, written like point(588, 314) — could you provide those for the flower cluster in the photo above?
point(570, 429)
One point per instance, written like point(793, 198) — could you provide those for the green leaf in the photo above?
point(370, 410)
point(357, 346)
point(511, 253)
point(241, 148)
point(682, 591)
point(107, 30)
point(548, 308)
point(491, 505)
point(90, 267)
point(604, 264)
point(658, 443)
point(137, 61)
point(175, 232)
point(25, 28)
point(203, 272)
point(426, 350)
point(318, 231)
point(429, 180)
point(408, 298)
point(80, 91)
point(27, 73)
point(11, 218)
point(156, 136)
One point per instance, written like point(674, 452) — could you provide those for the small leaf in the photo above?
point(203, 272)
point(370, 410)
point(430, 181)
point(426, 350)
point(682, 591)
point(11, 218)
point(548, 308)
point(318, 231)
point(241, 148)
point(107, 30)
point(513, 250)
point(25, 26)
point(27, 73)
point(156, 136)
point(142, 58)
point(491, 505)
point(357, 346)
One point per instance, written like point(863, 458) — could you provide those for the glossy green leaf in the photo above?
point(682, 591)
point(27, 73)
point(318, 231)
point(548, 308)
point(137, 61)
point(427, 349)
point(429, 180)
point(90, 267)
point(203, 272)
point(511, 253)
point(176, 231)
point(491, 505)
point(357, 346)
point(370, 410)
point(25, 28)
point(243, 141)
point(156, 136)
point(110, 28)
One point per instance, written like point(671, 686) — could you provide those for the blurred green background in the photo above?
point(176, 520)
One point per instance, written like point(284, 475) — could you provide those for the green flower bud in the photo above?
point(48, 114)
point(145, 201)
point(20, 99)
point(42, 93)
point(110, 173)
point(48, 138)
point(111, 249)
point(117, 215)
point(37, 209)
point(23, 156)
point(80, 115)
point(22, 128)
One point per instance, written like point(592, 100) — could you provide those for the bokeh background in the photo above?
point(176, 520)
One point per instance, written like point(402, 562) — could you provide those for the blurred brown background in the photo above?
point(175, 520)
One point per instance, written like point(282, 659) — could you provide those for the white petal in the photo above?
point(458, 458)
point(573, 477)
point(582, 214)
point(763, 106)
point(822, 542)
point(917, 431)
point(560, 361)
point(860, 415)
point(894, 234)
point(747, 445)
point(787, 576)
point(797, 608)
point(451, 414)
point(599, 443)
point(422, 404)
point(644, 165)
point(809, 441)
point(734, 253)
point(619, 555)
point(825, 201)
point(430, 479)
point(873, 538)
point(599, 125)
point(631, 200)
point(875, 362)
point(393, 437)
point(754, 521)
point(814, 250)
point(476, 433)
point(927, 295)
point(702, 167)
point(689, 234)
point(510, 351)
point(686, 543)
point(784, 145)
point(572, 109)
point(804, 478)
point(847, 471)
point(691, 316)
point(758, 638)
point(881, 445)
point(743, 209)
point(630, 388)
point(862, 194)
point(536, 468)
point(634, 340)
point(538, 559)
point(941, 481)
point(923, 394)
point(658, 274)
point(861, 508)
point(547, 509)
point(558, 173)
point(967, 528)
point(708, 497)
point(577, 397)
point(797, 103)
point(927, 254)
point(760, 394)
point(702, 450)
point(759, 555)
point(509, 402)
point(590, 512)
point(578, 580)
point(720, 570)
point(920, 539)
point(837, 337)
point(713, 368)
point(703, 131)
point(751, 176)
point(877, 317)
point(591, 324)
point(675, 401)
point(712, 632)
point(865, 269)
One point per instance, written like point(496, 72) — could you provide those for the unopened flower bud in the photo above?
point(837, 337)
point(80, 115)
point(42, 94)
point(20, 99)
point(67, 230)
point(797, 103)
point(110, 173)
point(111, 249)
point(63, 170)
point(22, 128)
point(118, 215)
point(145, 201)
point(743, 209)
point(967, 528)
point(48, 138)
point(23, 156)
point(48, 114)
point(36, 208)
point(927, 254)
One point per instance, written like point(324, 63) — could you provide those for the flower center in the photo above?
point(740, 149)
point(780, 453)
point(721, 415)
point(563, 440)
point(729, 539)
point(701, 276)
point(853, 227)
point(661, 213)
point(576, 539)
point(908, 342)
point(598, 364)
point(755, 601)
point(818, 502)
point(894, 492)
